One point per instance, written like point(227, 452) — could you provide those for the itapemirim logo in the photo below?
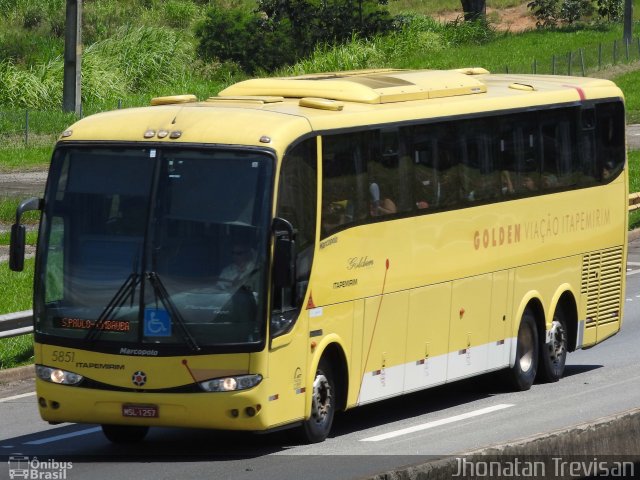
point(21, 466)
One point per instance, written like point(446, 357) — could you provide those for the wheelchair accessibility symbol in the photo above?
point(156, 323)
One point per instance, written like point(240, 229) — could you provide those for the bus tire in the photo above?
point(523, 372)
point(323, 406)
point(125, 433)
point(553, 355)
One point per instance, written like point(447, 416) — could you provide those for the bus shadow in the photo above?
point(571, 370)
point(185, 445)
point(433, 400)
point(161, 445)
point(421, 403)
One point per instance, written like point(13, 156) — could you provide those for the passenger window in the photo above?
point(480, 180)
point(386, 170)
point(518, 146)
point(586, 168)
point(610, 128)
point(297, 198)
point(297, 191)
point(425, 174)
point(345, 191)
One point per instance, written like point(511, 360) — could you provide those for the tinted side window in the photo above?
point(297, 192)
point(518, 147)
point(345, 195)
point(480, 179)
point(297, 200)
point(389, 170)
point(610, 126)
point(558, 140)
point(586, 171)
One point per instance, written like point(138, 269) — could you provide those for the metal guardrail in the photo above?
point(14, 324)
point(20, 323)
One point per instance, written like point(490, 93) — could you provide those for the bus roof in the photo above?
point(273, 112)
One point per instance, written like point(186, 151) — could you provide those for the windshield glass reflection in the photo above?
point(148, 246)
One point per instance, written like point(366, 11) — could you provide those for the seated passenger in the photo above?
point(507, 184)
point(384, 206)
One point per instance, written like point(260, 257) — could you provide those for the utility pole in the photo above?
point(71, 89)
point(628, 21)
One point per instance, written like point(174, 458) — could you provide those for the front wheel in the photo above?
point(553, 355)
point(323, 406)
point(523, 372)
point(124, 433)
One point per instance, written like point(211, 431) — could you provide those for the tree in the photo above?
point(279, 32)
point(474, 9)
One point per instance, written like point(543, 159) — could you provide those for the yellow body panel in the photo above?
point(412, 302)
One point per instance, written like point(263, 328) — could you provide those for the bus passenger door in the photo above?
point(469, 326)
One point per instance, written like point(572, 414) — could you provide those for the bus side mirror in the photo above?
point(284, 264)
point(19, 235)
point(16, 251)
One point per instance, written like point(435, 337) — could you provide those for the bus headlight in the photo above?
point(231, 384)
point(56, 375)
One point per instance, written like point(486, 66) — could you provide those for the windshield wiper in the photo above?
point(161, 292)
point(126, 290)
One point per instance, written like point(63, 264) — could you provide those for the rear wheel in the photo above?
point(125, 433)
point(523, 372)
point(323, 406)
point(553, 355)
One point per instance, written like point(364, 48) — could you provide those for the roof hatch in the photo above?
point(363, 87)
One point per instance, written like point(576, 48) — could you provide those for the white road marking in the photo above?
point(64, 436)
point(632, 264)
point(437, 423)
point(16, 397)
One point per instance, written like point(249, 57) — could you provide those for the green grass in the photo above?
point(16, 288)
point(519, 51)
point(432, 7)
point(5, 238)
point(16, 351)
point(634, 185)
point(23, 158)
point(8, 207)
point(630, 85)
point(16, 296)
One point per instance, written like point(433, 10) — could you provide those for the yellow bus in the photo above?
point(299, 246)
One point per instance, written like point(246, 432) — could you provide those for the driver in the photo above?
point(238, 272)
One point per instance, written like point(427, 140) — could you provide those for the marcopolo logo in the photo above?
point(31, 468)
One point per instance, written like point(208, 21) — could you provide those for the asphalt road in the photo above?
point(413, 429)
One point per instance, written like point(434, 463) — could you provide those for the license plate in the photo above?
point(145, 411)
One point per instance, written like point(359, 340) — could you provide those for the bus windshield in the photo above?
point(164, 246)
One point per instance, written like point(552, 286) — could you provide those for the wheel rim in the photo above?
point(558, 345)
point(322, 399)
point(527, 343)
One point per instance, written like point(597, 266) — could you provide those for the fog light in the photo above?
point(235, 413)
point(42, 402)
point(250, 411)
